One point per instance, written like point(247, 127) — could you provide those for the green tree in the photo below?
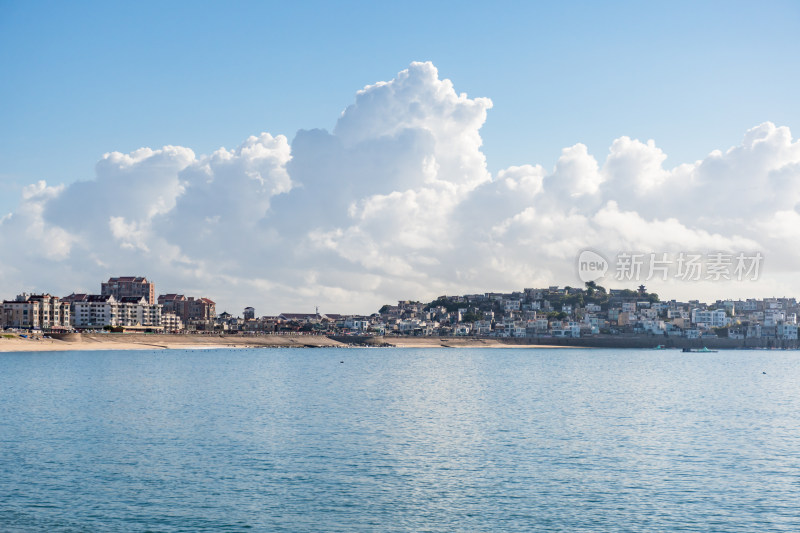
point(591, 287)
point(470, 317)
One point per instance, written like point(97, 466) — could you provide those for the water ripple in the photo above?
point(399, 440)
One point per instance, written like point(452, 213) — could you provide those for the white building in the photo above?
point(407, 327)
point(97, 311)
point(677, 312)
point(786, 332)
point(462, 330)
point(710, 318)
point(171, 322)
point(649, 313)
point(652, 326)
point(94, 311)
point(773, 317)
point(356, 323)
point(482, 327)
point(133, 311)
point(568, 331)
point(749, 305)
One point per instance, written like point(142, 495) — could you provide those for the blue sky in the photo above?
point(411, 191)
point(84, 78)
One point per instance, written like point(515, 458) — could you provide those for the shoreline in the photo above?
point(136, 341)
point(139, 341)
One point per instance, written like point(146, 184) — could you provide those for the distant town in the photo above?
point(129, 304)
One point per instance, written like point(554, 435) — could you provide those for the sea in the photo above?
point(389, 439)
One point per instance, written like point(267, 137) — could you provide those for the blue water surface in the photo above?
point(400, 440)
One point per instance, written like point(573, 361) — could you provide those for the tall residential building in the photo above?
point(97, 311)
point(94, 311)
point(36, 311)
point(53, 313)
point(135, 311)
point(129, 286)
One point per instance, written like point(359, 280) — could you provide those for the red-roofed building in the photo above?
point(129, 286)
point(188, 308)
point(173, 303)
point(202, 309)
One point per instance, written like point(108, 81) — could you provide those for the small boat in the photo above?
point(699, 350)
point(660, 347)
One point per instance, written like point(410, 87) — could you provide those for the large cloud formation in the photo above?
point(395, 203)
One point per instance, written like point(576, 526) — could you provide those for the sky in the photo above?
point(350, 154)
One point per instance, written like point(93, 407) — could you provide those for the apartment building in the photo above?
point(100, 310)
point(35, 311)
point(127, 286)
point(188, 308)
point(94, 310)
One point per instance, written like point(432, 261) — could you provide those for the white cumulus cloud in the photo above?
point(396, 202)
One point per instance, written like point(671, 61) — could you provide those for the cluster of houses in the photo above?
point(130, 304)
point(317, 323)
point(124, 303)
point(552, 312)
point(573, 312)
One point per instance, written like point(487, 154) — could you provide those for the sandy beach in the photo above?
point(112, 341)
point(458, 342)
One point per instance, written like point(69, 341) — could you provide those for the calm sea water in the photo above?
point(400, 440)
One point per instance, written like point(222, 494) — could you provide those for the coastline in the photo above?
point(111, 341)
point(127, 341)
point(139, 341)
